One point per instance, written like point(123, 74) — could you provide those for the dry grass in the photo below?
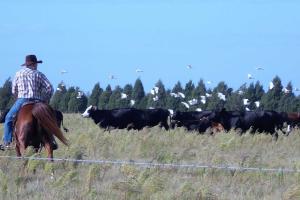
point(32, 180)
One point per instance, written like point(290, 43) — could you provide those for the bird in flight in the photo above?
point(139, 71)
point(259, 68)
point(63, 71)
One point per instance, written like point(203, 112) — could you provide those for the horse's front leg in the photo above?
point(18, 151)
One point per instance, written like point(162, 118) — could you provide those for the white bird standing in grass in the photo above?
point(221, 96)
point(257, 104)
point(186, 105)
point(271, 85)
point(246, 102)
point(286, 91)
point(152, 91)
point(79, 95)
point(193, 102)
point(155, 98)
point(199, 110)
point(208, 95)
point(171, 112)
point(132, 102)
point(174, 95)
point(124, 96)
point(203, 99)
point(156, 89)
point(181, 95)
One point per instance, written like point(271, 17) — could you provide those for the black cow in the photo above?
point(153, 117)
point(60, 120)
point(129, 118)
point(260, 121)
point(192, 121)
point(228, 119)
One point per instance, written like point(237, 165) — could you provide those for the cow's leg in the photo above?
point(165, 125)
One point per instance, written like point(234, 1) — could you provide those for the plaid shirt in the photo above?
point(32, 84)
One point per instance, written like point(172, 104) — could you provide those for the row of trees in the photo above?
point(194, 97)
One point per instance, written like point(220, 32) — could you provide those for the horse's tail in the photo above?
point(46, 118)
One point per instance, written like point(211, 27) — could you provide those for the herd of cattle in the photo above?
point(255, 121)
point(213, 121)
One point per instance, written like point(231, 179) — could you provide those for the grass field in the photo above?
point(32, 179)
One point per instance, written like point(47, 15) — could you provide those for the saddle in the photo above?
point(32, 102)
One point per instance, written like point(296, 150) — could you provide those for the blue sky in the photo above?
point(222, 40)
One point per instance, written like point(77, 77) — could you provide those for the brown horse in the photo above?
point(35, 126)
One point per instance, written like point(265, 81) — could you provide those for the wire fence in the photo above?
point(160, 165)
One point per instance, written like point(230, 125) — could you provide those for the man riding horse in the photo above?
point(29, 85)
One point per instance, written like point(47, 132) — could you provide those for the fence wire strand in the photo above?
point(159, 165)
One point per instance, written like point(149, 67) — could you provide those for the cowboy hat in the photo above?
point(32, 59)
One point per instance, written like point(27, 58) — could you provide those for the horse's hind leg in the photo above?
point(49, 150)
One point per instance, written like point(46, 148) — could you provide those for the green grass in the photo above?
point(32, 179)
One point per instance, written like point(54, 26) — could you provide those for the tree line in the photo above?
point(189, 97)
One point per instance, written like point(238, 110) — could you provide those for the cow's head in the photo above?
point(88, 111)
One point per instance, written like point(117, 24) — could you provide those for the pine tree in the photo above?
point(235, 102)
point(57, 98)
point(215, 101)
point(288, 101)
point(96, 93)
point(6, 97)
point(271, 100)
point(104, 98)
point(199, 91)
point(174, 102)
point(125, 102)
point(138, 93)
point(77, 103)
point(189, 90)
point(115, 98)
point(158, 100)
point(63, 106)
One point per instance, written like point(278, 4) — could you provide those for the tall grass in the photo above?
point(33, 179)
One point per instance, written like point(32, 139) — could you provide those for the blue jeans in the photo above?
point(8, 125)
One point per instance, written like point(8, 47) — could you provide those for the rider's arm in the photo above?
point(48, 88)
point(15, 87)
